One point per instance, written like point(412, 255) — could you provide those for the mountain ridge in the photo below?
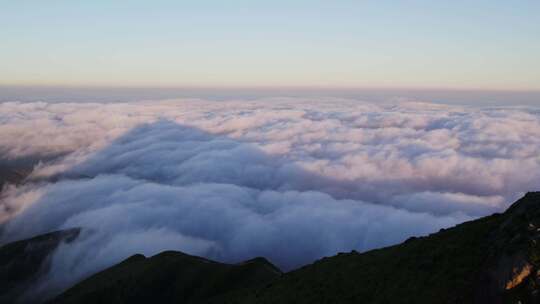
point(169, 275)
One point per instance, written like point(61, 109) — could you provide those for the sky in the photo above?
point(400, 44)
point(286, 129)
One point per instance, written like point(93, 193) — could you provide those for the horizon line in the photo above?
point(270, 87)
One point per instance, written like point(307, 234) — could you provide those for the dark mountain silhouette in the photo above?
point(22, 262)
point(494, 259)
point(168, 277)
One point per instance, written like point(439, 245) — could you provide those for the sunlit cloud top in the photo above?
point(448, 44)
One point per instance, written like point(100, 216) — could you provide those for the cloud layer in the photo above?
point(292, 180)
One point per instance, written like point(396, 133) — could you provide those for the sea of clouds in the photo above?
point(292, 180)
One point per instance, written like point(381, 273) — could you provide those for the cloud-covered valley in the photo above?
point(289, 179)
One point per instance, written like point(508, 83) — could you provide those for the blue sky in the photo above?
point(420, 44)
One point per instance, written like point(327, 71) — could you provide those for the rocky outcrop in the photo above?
point(510, 272)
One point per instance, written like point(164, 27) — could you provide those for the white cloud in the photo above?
point(292, 180)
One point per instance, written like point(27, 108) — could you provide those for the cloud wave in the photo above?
point(292, 180)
